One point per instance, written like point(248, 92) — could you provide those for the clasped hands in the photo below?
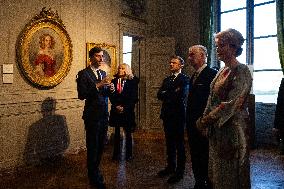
point(203, 122)
point(202, 126)
point(119, 109)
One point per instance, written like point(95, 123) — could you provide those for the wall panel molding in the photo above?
point(34, 107)
point(28, 95)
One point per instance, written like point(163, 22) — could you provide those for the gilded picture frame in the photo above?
point(110, 57)
point(44, 50)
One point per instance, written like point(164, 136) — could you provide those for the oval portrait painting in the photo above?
point(45, 51)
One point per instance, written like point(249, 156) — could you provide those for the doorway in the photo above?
point(132, 48)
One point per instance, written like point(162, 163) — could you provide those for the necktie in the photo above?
point(99, 75)
point(195, 75)
point(119, 86)
point(172, 77)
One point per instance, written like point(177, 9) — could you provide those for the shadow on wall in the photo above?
point(48, 138)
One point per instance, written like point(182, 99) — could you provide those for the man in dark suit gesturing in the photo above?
point(173, 94)
point(197, 100)
point(93, 87)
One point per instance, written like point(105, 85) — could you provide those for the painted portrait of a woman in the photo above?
point(45, 62)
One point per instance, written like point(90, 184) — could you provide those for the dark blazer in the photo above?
point(198, 94)
point(96, 103)
point(173, 94)
point(127, 98)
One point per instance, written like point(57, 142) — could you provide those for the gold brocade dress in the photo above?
point(228, 137)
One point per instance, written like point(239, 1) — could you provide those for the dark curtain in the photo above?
point(205, 19)
point(279, 112)
point(280, 32)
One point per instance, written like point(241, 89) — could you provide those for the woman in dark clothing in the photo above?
point(122, 113)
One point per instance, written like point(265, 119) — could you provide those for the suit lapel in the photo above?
point(92, 74)
point(178, 77)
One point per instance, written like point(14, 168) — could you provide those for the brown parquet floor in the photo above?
point(69, 171)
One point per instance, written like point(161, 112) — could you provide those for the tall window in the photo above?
point(127, 50)
point(256, 20)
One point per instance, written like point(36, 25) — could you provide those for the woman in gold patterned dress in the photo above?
point(225, 119)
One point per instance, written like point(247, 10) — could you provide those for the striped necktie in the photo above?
point(99, 75)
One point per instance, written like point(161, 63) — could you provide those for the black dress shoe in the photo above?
point(175, 178)
point(166, 172)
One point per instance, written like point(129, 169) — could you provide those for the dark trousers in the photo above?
point(174, 135)
point(95, 139)
point(199, 154)
point(117, 145)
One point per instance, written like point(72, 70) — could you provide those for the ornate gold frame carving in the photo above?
point(28, 49)
point(109, 54)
